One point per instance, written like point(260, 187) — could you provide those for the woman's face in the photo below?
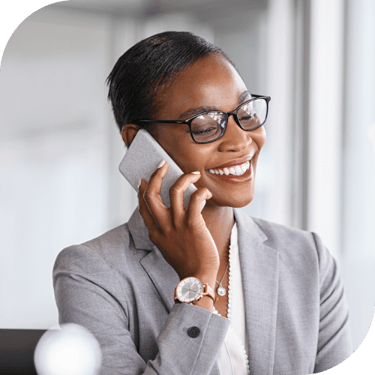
point(210, 82)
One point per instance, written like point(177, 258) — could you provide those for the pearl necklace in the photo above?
point(229, 309)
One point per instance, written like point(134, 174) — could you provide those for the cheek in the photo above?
point(260, 137)
point(193, 157)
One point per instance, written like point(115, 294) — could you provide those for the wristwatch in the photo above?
point(191, 289)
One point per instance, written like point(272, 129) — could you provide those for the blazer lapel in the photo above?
point(163, 276)
point(161, 273)
point(260, 276)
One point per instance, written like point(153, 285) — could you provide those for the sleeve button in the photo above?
point(193, 332)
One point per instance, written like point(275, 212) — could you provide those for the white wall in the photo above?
point(53, 155)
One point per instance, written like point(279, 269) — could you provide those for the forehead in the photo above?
point(209, 82)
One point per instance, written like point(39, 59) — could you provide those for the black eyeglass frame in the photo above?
point(228, 114)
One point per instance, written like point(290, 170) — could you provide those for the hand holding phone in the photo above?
point(175, 223)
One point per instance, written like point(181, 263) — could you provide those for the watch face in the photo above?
point(189, 289)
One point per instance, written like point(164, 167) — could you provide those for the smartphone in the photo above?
point(142, 159)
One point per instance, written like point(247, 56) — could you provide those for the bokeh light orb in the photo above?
point(70, 350)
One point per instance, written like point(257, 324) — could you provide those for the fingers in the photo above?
point(153, 210)
point(196, 203)
point(152, 196)
point(176, 194)
point(144, 210)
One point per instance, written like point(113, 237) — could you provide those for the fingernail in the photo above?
point(204, 203)
point(161, 164)
point(196, 172)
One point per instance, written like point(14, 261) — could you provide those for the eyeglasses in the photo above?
point(210, 126)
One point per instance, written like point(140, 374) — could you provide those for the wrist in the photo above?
point(205, 302)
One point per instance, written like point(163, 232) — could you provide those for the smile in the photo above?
point(237, 170)
point(234, 174)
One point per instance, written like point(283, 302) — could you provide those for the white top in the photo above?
point(232, 358)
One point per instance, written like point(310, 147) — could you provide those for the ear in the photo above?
point(128, 133)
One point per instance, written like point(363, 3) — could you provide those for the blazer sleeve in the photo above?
point(85, 285)
point(334, 343)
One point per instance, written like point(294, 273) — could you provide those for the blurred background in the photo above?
point(60, 147)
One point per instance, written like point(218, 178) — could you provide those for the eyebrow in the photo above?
point(196, 111)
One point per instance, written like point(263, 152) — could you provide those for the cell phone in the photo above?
point(142, 159)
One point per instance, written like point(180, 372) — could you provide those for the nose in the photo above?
point(235, 139)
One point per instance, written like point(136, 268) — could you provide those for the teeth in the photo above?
point(237, 170)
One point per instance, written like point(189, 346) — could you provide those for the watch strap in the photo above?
point(207, 291)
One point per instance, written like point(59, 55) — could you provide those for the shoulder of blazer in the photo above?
point(116, 247)
point(297, 247)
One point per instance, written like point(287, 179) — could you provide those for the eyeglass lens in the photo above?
point(210, 126)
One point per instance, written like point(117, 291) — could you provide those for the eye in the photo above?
point(246, 117)
point(205, 131)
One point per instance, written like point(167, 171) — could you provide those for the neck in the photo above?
point(220, 221)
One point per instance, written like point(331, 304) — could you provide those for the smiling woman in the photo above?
point(201, 290)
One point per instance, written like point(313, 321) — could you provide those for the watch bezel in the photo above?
point(183, 282)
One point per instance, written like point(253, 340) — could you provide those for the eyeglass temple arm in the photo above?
point(268, 98)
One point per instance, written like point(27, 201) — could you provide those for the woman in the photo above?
point(264, 297)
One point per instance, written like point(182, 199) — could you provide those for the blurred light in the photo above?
point(71, 350)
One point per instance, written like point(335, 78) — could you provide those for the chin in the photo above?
point(235, 201)
point(242, 200)
point(242, 203)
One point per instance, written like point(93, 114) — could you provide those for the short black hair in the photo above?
point(147, 68)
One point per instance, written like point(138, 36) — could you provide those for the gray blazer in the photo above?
point(120, 287)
